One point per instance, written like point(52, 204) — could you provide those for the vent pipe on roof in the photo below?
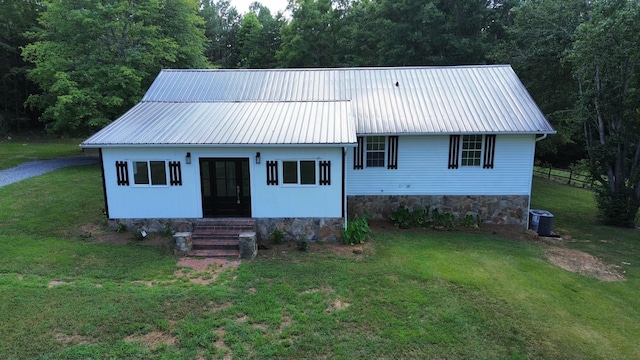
point(397, 84)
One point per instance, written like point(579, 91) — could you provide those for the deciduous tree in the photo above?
point(94, 59)
point(606, 62)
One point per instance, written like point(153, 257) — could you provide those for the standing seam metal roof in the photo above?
point(325, 106)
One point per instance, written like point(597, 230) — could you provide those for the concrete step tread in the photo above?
point(218, 242)
point(215, 253)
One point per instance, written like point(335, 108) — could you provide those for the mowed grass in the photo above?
point(18, 150)
point(412, 294)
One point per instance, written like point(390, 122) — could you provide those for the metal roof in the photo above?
point(229, 123)
point(400, 100)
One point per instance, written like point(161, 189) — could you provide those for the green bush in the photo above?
point(357, 230)
point(443, 220)
point(277, 236)
point(302, 244)
point(617, 208)
point(403, 218)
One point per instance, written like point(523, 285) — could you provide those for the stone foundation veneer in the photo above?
point(498, 209)
point(312, 229)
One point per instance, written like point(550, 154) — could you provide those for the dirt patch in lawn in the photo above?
point(204, 271)
point(153, 339)
point(580, 262)
point(101, 234)
point(289, 248)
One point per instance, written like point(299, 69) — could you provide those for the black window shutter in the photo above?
point(122, 171)
point(272, 173)
point(489, 151)
point(392, 156)
point(325, 172)
point(454, 149)
point(175, 173)
point(358, 154)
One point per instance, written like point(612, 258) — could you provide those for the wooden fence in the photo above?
point(567, 176)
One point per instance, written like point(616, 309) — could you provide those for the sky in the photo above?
point(274, 5)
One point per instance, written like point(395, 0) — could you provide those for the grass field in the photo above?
point(18, 150)
point(412, 294)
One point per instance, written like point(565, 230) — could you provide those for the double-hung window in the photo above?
point(302, 172)
point(149, 173)
point(472, 150)
point(376, 152)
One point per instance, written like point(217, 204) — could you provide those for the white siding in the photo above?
point(185, 201)
point(423, 170)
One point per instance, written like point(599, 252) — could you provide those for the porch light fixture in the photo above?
point(188, 158)
point(258, 157)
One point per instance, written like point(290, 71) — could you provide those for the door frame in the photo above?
point(213, 190)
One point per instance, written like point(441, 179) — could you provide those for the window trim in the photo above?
point(299, 172)
point(389, 159)
point(383, 151)
point(149, 176)
point(487, 151)
point(475, 151)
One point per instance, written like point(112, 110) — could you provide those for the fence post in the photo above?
point(570, 174)
point(549, 176)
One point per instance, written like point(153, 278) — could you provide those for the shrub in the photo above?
point(277, 236)
point(443, 220)
point(617, 208)
point(471, 221)
point(404, 219)
point(302, 244)
point(120, 227)
point(357, 230)
point(401, 217)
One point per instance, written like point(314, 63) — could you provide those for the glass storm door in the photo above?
point(225, 187)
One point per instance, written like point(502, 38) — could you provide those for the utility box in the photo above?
point(541, 221)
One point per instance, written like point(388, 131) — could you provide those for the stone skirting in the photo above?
point(312, 229)
point(153, 225)
point(499, 209)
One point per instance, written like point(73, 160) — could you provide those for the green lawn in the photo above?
point(18, 150)
point(413, 294)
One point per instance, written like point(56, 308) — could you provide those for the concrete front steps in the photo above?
point(219, 237)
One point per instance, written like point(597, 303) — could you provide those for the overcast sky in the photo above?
point(274, 5)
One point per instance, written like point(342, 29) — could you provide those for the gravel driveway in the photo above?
point(39, 167)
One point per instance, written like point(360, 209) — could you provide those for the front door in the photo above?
point(225, 187)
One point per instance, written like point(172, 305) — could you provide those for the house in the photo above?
point(304, 149)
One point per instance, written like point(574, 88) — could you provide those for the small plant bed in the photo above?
point(418, 217)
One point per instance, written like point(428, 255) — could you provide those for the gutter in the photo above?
point(544, 136)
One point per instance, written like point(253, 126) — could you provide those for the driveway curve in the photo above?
point(35, 168)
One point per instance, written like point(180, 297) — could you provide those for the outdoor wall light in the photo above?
point(258, 157)
point(188, 158)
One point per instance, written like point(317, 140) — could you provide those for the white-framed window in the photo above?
point(471, 150)
point(299, 172)
point(152, 173)
point(375, 151)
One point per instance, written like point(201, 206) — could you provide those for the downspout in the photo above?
point(544, 136)
point(344, 187)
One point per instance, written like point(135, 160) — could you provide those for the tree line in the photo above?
point(73, 66)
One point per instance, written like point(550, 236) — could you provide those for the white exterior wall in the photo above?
point(423, 170)
point(142, 201)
